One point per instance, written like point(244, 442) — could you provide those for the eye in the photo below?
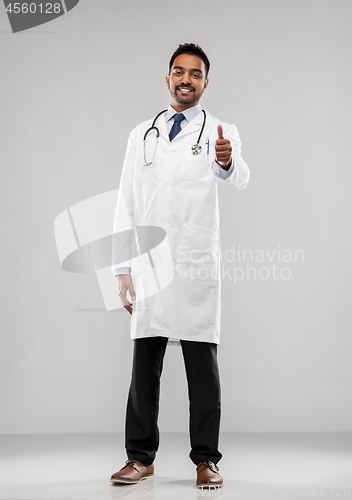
point(196, 75)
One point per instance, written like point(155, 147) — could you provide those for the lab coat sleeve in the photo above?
point(238, 174)
point(123, 235)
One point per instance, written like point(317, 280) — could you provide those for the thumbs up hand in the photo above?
point(223, 149)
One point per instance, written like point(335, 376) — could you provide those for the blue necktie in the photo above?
point(176, 127)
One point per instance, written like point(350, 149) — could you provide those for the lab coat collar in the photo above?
point(189, 113)
point(191, 127)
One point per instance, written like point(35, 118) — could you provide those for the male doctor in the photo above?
point(176, 190)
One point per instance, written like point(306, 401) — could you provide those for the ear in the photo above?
point(205, 84)
point(167, 78)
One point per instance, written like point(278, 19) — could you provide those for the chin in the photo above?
point(186, 101)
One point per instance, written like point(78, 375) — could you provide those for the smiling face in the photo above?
point(186, 81)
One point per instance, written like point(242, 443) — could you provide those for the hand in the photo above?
point(223, 149)
point(125, 283)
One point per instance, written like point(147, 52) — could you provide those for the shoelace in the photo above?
point(131, 463)
point(205, 464)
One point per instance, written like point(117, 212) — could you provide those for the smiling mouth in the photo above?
point(185, 89)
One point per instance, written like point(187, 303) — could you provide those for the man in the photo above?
point(165, 185)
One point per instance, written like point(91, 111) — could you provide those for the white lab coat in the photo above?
point(178, 193)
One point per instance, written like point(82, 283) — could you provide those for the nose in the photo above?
point(186, 78)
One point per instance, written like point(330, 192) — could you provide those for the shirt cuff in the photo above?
point(122, 270)
point(223, 173)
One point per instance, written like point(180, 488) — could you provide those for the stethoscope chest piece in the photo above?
point(196, 149)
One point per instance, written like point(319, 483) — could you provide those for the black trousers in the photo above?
point(141, 431)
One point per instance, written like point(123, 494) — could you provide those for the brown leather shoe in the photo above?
point(133, 472)
point(208, 475)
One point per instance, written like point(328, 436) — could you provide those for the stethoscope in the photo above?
point(196, 148)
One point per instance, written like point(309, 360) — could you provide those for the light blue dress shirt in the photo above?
point(189, 115)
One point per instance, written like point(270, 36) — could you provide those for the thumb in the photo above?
point(220, 132)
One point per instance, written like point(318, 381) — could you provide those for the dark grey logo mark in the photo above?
point(87, 242)
point(27, 14)
point(113, 249)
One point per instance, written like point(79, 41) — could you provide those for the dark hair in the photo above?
point(194, 50)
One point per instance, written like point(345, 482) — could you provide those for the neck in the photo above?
point(179, 107)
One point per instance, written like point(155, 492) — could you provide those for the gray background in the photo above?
point(71, 90)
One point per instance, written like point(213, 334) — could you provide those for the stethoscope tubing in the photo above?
point(196, 148)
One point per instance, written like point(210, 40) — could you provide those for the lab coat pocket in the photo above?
point(198, 253)
point(196, 168)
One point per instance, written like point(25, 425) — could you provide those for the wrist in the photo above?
point(224, 165)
